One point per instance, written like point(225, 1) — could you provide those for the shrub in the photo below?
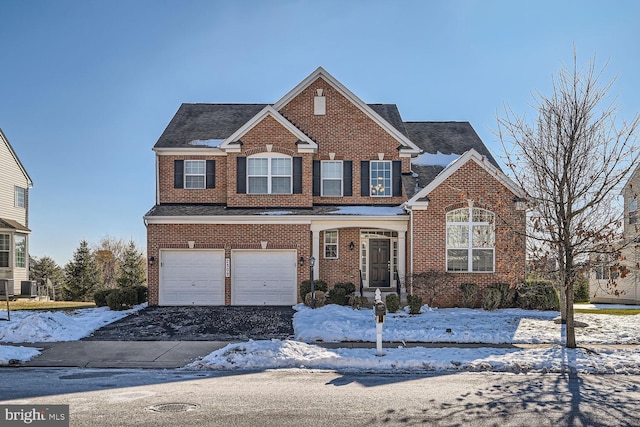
point(100, 297)
point(469, 294)
point(349, 288)
point(320, 297)
point(581, 289)
point(508, 294)
point(431, 283)
point(115, 300)
point(491, 298)
point(305, 287)
point(538, 295)
point(415, 304)
point(393, 303)
point(356, 301)
point(338, 296)
point(142, 292)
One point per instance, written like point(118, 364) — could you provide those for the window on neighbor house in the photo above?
point(606, 272)
point(331, 244)
point(4, 250)
point(470, 240)
point(269, 175)
point(194, 174)
point(332, 178)
point(380, 178)
point(20, 197)
point(21, 251)
point(633, 210)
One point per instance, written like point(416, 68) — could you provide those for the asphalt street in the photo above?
point(103, 397)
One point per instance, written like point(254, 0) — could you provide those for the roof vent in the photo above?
point(319, 103)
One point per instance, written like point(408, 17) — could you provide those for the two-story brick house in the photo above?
point(607, 285)
point(14, 216)
point(247, 194)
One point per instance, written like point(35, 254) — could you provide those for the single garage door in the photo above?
point(265, 277)
point(192, 277)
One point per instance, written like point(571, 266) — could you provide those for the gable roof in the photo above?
point(471, 155)
point(15, 156)
point(269, 111)
point(320, 72)
point(12, 225)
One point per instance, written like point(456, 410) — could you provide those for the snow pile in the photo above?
point(10, 355)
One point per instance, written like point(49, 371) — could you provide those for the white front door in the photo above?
point(266, 277)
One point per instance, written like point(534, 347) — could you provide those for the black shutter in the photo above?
point(396, 177)
point(347, 178)
point(211, 174)
point(316, 177)
point(297, 175)
point(178, 174)
point(364, 178)
point(241, 175)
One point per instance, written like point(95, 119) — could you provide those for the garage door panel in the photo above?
point(264, 277)
point(192, 278)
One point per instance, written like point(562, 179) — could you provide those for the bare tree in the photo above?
point(571, 161)
point(109, 255)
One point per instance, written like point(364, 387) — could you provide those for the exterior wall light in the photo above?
point(351, 246)
point(152, 260)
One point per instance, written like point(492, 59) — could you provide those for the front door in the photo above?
point(379, 263)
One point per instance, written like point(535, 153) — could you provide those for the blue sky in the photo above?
point(87, 87)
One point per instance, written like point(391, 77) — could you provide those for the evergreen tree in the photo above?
point(132, 272)
point(82, 275)
point(46, 268)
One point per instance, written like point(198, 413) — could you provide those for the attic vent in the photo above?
point(319, 103)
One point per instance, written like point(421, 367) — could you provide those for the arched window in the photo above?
point(269, 174)
point(470, 240)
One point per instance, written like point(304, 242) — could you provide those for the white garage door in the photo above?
point(192, 278)
point(263, 277)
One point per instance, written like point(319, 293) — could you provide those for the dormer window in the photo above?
point(269, 175)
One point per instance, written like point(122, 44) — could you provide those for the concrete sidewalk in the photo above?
point(122, 354)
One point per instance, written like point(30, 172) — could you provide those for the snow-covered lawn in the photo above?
point(30, 326)
point(337, 324)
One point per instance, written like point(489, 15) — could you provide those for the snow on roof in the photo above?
point(369, 210)
point(207, 142)
point(437, 159)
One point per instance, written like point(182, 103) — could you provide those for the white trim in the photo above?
point(230, 143)
point(182, 151)
point(270, 176)
point(322, 178)
point(471, 155)
point(410, 147)
point(203, 175)
point(336, 244)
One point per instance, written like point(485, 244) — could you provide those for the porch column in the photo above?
point(315, 251)
point(402, 259)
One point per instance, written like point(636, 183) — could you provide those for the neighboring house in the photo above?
point(14, 216)
point(607, 285)
point(246, 194)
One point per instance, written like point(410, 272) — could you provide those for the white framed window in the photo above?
point(331, 178)
point(20, 197)
point(470, 240)
point(4, 250)
point(194, 174)
point(331, 244)
point(633, 210)
point(20, 251)
point(269, 175)
point(380, 178)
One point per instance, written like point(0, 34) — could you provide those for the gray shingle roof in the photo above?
point(218, 210)
point(205, 121)
point(390, 113)
point(13, 225)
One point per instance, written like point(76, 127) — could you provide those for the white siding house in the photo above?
point(14, 216)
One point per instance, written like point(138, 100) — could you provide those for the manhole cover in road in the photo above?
point(173, 407)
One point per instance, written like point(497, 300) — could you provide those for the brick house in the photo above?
point(247, 194)
point(14, 217)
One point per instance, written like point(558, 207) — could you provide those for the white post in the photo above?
point(379, 321)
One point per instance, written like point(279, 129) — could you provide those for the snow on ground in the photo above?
point(31, 326)
point(335, 324)
point(510, 326)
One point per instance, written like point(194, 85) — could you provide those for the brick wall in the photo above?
point(227, 237)
point(347, 267)
point(474, 183)
point(168, 194)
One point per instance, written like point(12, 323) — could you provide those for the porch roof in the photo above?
point(190, 210)
point(13, 225)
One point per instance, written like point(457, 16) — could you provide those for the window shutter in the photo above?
point(297, 175)
point(316, 177)
point(211, 174)
point(396, 177)
point(241, 175)
point(178, 174)
point(347, 178)
point(364, 178)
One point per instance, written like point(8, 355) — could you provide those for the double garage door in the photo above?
point(196, 277)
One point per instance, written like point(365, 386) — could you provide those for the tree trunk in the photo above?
point(570, 324)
